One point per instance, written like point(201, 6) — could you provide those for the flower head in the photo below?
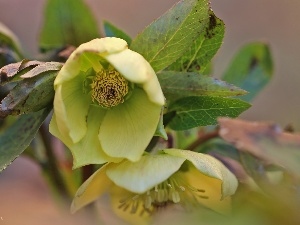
point(138, 189)
point(107, 103)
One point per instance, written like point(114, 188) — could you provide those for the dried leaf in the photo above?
point(9, 71)
point(265, 141)
point(48, 66)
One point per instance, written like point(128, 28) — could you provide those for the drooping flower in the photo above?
point(172, 176)
point(107, 103)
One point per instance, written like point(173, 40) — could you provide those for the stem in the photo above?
point(203, 138)
point(86, 172)
point(152, 143)
point(52, 164)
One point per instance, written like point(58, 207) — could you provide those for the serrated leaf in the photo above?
point(67, 22)
point(251, 69)
point(170, 36)
point(197, 58)
point(177, 85)
point(29, 95)
point(203, 110)
point(113, 31)
point(19, 135)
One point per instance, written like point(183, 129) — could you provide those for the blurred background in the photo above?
point(23, 191)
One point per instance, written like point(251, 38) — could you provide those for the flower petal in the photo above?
point(78, 62)
point(209, 166)
point(91, 189)
point(136, 69)
point(212, 189)
point(128, 128)
point(153, 90)
point(88, 150)
point(53, 128)
point(140, 176)
point(70, 105)
point(131, 65)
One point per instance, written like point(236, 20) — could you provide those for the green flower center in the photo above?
point(172, 191)
point(109, 88)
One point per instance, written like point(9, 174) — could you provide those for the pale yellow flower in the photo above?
point(172, 176)
point(107, 103)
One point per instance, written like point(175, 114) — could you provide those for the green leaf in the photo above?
point(203, 110)
point(29, 95)
point(203, 49)
point(18, 136)
point(170, 36)
point(251, 69)
point(177, 85)
point(112, 31)
point(67, 22)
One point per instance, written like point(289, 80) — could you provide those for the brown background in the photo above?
point(24, 197)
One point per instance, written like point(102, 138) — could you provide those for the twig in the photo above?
point(203, 138)
point(86, 172)
point(53, 169)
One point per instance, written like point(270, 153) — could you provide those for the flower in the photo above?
point(171, 176)
point(107, 103)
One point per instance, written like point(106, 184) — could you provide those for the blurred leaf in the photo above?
point(203, 110)
point(170, 36)
point(29, 95)
point(251, 69)
point(112, 31)
point(18, 136)
point(67, 22)
point(177, 85)
point(220, 147)
point(203, 49)
point(9, 44)
point(265, 141)
point(254, 167)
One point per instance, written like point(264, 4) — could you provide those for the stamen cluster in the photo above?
point(109, 88)
point(168, 192)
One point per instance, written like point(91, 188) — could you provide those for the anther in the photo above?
point(109, 88)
